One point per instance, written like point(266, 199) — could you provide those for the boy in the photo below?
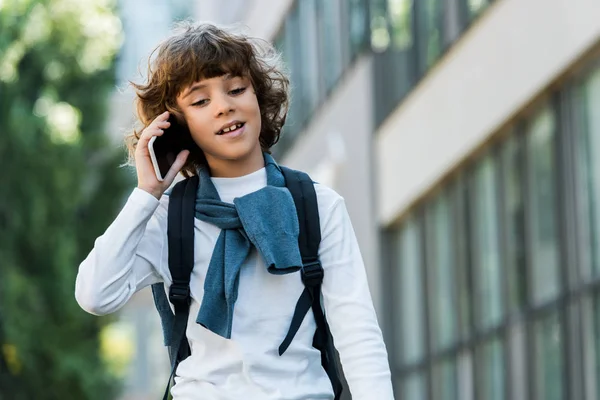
point(232, 95)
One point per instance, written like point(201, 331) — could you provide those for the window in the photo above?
point(476, 7)
point(496, 240)
point(410, 324)
point(548, 358)
point(441, 273)
point(465, 375)
point(491, 370)
point(413, 387)
point(330, 41)
point(486, 246)
point(452, 27)
point(444, 380)
point(588, 149)
point(590, 306)
point(518, 362)
point(318, 40)
point(400, 15)
point(596, 341)
point(294, 60)
point(395, 54)
point(357, 25)
point(408, 37)
point(542, 210)
point(402, 53)
point(429, 32)
point(461, 223)
point(471, 9)
point(380, 34)
point(513, 213)
point(309, 94)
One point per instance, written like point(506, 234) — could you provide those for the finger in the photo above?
point(177, 165)
point(147, 134)
point(151, 131)
point(162, 117)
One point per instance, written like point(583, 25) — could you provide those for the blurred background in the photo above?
point(463, 135)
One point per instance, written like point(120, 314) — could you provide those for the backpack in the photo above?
point(180, 232)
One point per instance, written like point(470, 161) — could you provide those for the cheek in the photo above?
point(197, 124)
point(255, 109)
point(199, 130)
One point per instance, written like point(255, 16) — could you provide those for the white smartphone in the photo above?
point(165, 148)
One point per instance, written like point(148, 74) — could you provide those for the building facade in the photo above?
point(462, 135)
point(490, 226)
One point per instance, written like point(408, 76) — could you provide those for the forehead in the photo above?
point(206, 82)
point(217, 79)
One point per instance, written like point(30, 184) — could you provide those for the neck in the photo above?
point(220, 168)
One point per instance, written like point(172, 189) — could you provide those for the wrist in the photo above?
point(156, 192)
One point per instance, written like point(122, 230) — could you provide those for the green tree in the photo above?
point(60, 187)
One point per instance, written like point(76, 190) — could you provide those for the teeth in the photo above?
point(231, 128)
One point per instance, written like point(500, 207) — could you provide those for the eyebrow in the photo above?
point(197, 86)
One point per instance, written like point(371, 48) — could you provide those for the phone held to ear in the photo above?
point(165, 148)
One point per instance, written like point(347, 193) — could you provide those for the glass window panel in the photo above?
point(400, 17)
point(548, 358)
point(293, 57)
point(394, 65)
point(471, 9)
point(514, 218)
point(462, 233)
point(444, 380)
point(380, 34)
point(589, 148)
point(488, 283)
point(357, 25)
point(476, 7)
point(596, 340)
point(491, 370)
point(517, 339)
point(452, 26)
point(465, 375)
point(414, 387)
point(429, 24)
point(400, 59)
point(590, 306)
point(330, 41)
point(410, 284)
point(590, 329)
point(440, 249)
point(542, 192)
point(310, 58)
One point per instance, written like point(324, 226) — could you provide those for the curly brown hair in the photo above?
point(199, 51)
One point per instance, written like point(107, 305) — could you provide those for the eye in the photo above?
point(237, 91)
point(200, 102)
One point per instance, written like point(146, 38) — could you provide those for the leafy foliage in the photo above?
point(60, 188)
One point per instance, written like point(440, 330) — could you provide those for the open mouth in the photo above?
point(231, 128)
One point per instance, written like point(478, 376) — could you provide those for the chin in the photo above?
point(235, 154)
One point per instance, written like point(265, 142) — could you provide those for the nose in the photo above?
point(222, 105)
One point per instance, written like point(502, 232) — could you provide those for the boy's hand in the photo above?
point(143, 163)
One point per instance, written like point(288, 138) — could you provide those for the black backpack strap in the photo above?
point(302, 190)
point(180, 232)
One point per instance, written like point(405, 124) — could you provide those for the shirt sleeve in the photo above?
point(349, 309)
point(126, 258)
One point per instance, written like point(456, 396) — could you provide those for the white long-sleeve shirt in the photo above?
point(133, 253)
